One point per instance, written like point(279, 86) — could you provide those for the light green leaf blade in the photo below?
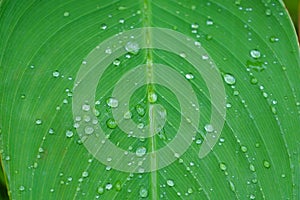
point(44, 45)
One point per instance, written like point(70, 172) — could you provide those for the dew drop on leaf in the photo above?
point(55, 74)
point(69, 133)
point(132, 47)
point(255, 53)
point(116, 62)
point(21, 188)
point(209, 128)
point(223, 166)
point(100, 190)
point(112, 102)
point(38, 122)
point(189, 76)
point(143, 192)
point(229, 79)
point(85, 174)
point(140, 151)
point(152, 97)
point(89, 130)
point(108, 186)
point(111, 123)
point(170, 182)
point(267, 164)
point(252, 168)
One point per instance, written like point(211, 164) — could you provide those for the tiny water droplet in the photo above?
point(252, 168)
point(132, 47)
point(100, 190)
point(255, 53)
point(189, 76)
point(170, 182)
point(253, 81)
point(21, 188)
point(140, 110)
point(55, 74)
point(143, 192)
point(274, 39)
point(244, 149)
point(108, 186)
point(112, 102)
point(209, 22)
point(232, 186)
point(209, 128)
point(140, 151)
point(111, 123)
point(116, 62)
point(103, 26)
point(229, 79)
point(268, 12)
point(69, 133)
point(152, 97)
point(89, 130)
point(194, 26)
point(66, 14)
point(38, 122)
point(127, 115)
point(85, 174)
point(267, 164)
point(223, 166)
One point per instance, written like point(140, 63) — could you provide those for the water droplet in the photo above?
point(118, 185)
point(140, 110)
point(274, 39)
point(209, 128)
point(85, 107)
point(268, 12)
point(252, 168)
point(194, 26)
point(152, 97)
point(111, 123)
point(143, 192)
point(100, 190)
point(255, 53)
point(170, 182)
point(55, 74)
point(209, 22)
point(89, 130)
point(267, 164)
point(38, 122)
point(232, 186)
point(189, 76)
point(190, 190)
point(252, 196)
point(127, 115)
point(116, 62)
point(223, 166)
point(21, 188)
point(140, 151)
point(112, 102)
point(229, 79)
point(108, 186)
point(257, 66)
point(253, 81)
point(85, 174)
point(244, 149)
point(103, 26)
point(132, 47)
point(66, 14)
point(69, 133)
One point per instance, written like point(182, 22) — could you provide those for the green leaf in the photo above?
point(95, 104)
